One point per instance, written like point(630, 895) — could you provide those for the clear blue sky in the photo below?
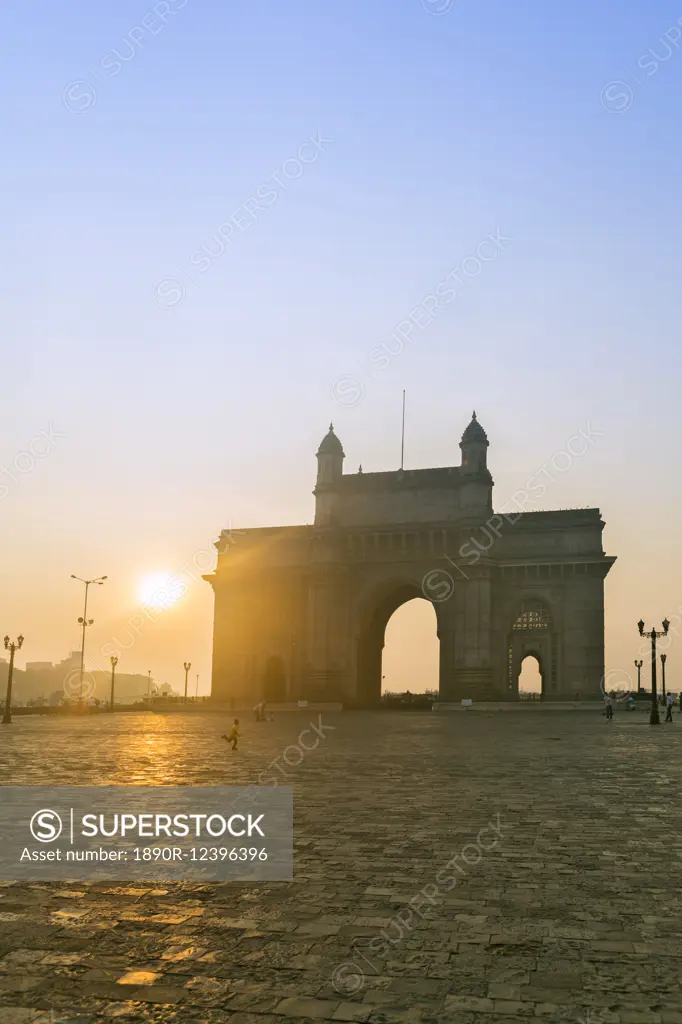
point(181, 421)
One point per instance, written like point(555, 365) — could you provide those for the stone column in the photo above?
point(473, 666)
point(233, 634)
point(582, 663)
point(329, 643)
point(447, 666)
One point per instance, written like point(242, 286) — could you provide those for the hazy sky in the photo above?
point(133, 134)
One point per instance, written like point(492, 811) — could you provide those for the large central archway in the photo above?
point(411, 654)
point(373, 637)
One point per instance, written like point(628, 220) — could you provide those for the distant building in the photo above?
point(61, 681)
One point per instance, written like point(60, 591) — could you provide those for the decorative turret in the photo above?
point(474, 445)
point(476, 488)
point(330, 456)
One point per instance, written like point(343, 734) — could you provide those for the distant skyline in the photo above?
point(227, 225)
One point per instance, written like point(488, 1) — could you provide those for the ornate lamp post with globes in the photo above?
point(653, 635)
point(85, 621)
point(114, 662)
point(11, 647)
point(638, 666)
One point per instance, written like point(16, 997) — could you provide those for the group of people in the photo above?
point(630, 705)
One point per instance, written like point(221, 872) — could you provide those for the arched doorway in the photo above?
point(532, 637)
point(531, 679)
point(274, 680)
point(371, 667)
point(411, 650)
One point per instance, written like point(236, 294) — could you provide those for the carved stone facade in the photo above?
point(301, 611)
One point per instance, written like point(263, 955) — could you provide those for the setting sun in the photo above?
point(160, 590)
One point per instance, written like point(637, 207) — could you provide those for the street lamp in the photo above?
point(664, 658)
point(196, 689)
point(638, 666)
point(114, 662)
point(653, 635)
point(11, 647)
point(149, 683)
point(85, 621)
point(188, 665)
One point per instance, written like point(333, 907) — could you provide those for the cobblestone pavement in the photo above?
point(562, 833)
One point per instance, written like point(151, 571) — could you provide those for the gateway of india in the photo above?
point(301, 611)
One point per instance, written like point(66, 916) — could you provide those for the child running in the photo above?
point(233, 735)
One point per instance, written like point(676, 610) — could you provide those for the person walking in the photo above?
point(669, 707)
point(609, 708)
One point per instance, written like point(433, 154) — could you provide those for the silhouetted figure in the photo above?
point(609, 708)
point(669, 708)
point(233, 735)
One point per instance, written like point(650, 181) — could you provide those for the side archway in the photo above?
point(531, 677)
point(532, 635)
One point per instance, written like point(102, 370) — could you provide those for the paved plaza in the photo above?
point(457, 868)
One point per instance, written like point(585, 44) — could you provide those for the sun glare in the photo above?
point(160, 590)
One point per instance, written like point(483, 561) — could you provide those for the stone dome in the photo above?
point(330, 444)
point(475, 432)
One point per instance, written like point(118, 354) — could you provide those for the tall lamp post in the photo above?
point(114, 662)
point(11, 647)
point(653, 636)
point(196, 689)
point(638, 666)
point(664, 658)
point(85, 622)
point(149, 684)
point(188, 665)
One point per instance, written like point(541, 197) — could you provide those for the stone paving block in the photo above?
point(498, 990)
point(158, 994)
point(512, 1007)
point(297, 1006)
point(352, 1012)
point(476, 1004)
point(19, 1015)
point(556, 979)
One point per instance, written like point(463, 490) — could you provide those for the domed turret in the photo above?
point(330, 444)
point(330, 456)
point(475, 432)
point(474, 445)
